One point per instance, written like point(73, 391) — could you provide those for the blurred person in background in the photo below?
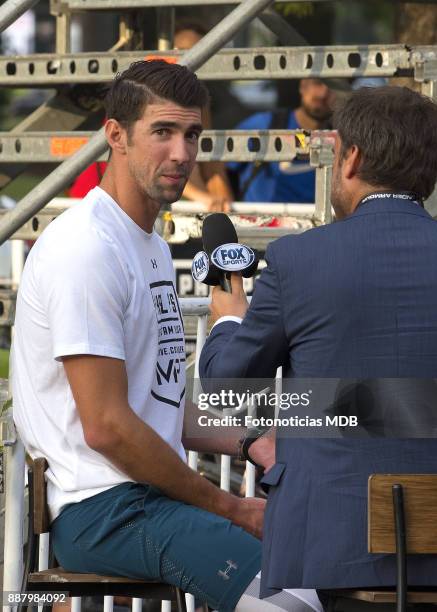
point(208, 182)
point(285, 181)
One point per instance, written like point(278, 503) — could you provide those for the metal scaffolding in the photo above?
point(11, 10)
point(67, 171)
point(242, 64)
point(110, 5)
point(35, 140)
point(220, 145)
point(51, 134)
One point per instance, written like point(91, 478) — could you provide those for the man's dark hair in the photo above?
point(145, 82)
point(395, 130)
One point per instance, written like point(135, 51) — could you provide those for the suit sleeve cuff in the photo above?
point(227, 318)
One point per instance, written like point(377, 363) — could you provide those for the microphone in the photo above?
point(202, 270)
point(222, 253)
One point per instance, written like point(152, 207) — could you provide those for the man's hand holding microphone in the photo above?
point(222, 264)
point(224, 304)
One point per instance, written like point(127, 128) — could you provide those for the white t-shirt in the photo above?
point(95, 283)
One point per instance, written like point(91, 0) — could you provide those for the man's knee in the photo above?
point(300, 600)
point(281, 602)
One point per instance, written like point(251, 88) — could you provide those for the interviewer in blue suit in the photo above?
point(353, 299)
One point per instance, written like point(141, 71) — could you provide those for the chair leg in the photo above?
point(180, 600)
point(30, 561)
point(401, 548)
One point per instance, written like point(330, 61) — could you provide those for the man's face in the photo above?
point(185, 39)
point(316, 98)
point(162, 148)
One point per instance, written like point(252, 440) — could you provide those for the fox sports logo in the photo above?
point(200, 266)
point(233, 257)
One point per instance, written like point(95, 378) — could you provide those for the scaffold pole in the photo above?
point(68, 170)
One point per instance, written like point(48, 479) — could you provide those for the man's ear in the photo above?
point(351, 162)
point(116, 136)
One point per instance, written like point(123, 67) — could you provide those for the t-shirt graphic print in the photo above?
point(171, 344)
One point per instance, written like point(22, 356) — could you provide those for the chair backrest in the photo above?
point(41, 523)
point(420, 504)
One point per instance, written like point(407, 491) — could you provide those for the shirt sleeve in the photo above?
point(84, 291)
point(227, 318)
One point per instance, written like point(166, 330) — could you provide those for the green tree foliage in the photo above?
point(297, 9)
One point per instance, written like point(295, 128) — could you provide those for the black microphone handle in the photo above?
point(225, 282)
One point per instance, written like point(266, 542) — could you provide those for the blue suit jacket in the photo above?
point(354, 299)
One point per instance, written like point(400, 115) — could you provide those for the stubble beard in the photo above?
point(153, 190)
point(318, 114)
point(335, 192)
point(339, 199)
point(164, 195)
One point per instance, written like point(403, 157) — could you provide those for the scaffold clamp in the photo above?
point(8, 433)
point(425, 68)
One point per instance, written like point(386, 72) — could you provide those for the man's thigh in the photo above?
point(133, 530)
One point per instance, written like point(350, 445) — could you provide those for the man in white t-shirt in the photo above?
point(99, 368)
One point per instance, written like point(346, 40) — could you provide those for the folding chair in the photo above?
point(402, 520)
point(57, 579)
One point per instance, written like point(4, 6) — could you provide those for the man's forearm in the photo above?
point(138, 451)
point(223, 445)
point(111, 428)
point(225, 439)
point(215, 177)
point(209, 439)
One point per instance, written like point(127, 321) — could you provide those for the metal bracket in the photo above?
point(425, 67)
point(165, 25)
point(322, 148)
point(322, 213)
point(180, 231)
point(7, 307)
point(61, 11)
point(322, 158)
point(128, 37)
point(59, 7)
point(429, 88)
point(8, 433)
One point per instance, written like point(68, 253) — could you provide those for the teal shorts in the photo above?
point(134, 530)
